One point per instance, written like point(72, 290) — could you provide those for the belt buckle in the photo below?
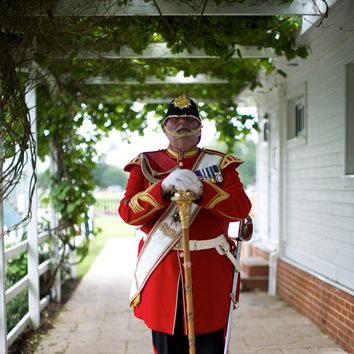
point(194, 248)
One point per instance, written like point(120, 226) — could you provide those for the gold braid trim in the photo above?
point(149, 199)
point(228, 216)
point(149, 173)
point(222, 195)
point(136, 221)
point(135, 302)
point(134, 204)
point(144, 169)
point(136, 161)
point(228, 159)
point(145, 197)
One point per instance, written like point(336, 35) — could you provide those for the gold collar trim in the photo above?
point(180, 154)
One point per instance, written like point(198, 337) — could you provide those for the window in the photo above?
point(266, 131)
point(266, 127)
point(297, 120)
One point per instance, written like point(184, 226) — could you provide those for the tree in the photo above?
point(105, 175)
point(246, 151)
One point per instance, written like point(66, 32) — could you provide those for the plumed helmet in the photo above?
point(182, 106)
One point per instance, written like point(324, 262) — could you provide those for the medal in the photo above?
point(218, 174)
point(210, 173)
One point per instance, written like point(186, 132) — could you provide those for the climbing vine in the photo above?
point(17, 144)
point(69, 51)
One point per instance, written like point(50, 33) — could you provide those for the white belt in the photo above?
point(219, 243)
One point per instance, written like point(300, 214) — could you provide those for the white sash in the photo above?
point(164, 235)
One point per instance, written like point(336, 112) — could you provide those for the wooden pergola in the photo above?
point(311, 10)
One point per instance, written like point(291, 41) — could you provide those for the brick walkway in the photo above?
point(97, 319)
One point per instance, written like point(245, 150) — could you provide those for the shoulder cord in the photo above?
point(151, 176)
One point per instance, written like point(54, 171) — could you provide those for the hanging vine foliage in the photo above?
point(72, 50)
point(17, 144)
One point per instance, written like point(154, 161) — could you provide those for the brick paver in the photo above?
point(97, 318)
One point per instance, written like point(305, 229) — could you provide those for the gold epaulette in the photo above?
point(136, 161)
point(229, 159)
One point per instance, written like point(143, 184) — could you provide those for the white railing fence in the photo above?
point(31, 281)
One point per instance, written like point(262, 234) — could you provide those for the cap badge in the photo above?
point(182, 102)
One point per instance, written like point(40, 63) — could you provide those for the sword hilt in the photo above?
point(245, 230)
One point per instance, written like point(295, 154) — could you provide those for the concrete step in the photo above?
point(253, 283)
point(255, 267)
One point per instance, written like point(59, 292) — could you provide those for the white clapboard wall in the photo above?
point(316, 209)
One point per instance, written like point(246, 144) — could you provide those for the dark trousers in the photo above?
point(206, 343)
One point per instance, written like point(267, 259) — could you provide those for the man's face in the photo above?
point(182, 132)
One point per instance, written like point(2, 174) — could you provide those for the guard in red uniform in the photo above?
point(156, 294)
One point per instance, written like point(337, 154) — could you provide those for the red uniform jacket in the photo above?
point(212, 273)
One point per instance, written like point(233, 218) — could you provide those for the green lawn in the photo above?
point(111, 226)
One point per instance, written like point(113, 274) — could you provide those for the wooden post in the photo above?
point(32, 227)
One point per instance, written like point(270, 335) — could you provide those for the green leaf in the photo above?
point(282, 73)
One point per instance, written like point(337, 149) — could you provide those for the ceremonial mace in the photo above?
point(184, 201)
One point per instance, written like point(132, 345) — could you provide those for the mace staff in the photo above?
point(184, 201)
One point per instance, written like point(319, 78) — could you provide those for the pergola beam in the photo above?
point(152, 80)
point(176, 8)
point(310, 21)
point(161, 51)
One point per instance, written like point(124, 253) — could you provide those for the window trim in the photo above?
point(294, 97)
point(349, 119)
point(348, 176)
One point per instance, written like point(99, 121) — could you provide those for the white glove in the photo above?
point(182, 180)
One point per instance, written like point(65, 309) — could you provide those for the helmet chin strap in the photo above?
point(182, 133)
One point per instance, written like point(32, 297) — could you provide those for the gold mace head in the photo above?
point(184, 201)
point(184, 196)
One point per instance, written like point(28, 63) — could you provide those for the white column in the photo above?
point(54, 242)
point(32, 227)
point(283, 112)
point(279, 216)
point(56, 289)
point(3, 324)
